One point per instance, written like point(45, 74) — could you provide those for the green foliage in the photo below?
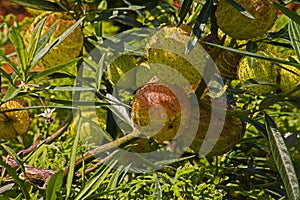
point(263, 165)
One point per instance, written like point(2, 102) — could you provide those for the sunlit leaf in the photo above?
point(39, 5)
point(54, 185)
point(17, 40)
point(294, 33)
point(71, 167)
point(55, 42)
point(292, 15)
point(282, 159)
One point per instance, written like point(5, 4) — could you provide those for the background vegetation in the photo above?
point(51, 160)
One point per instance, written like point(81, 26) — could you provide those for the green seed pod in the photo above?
point(119, 67)
point(15, 123)
point(289, 79)
point(167, 47)
point(261, 69)
point(231, 133)
point(238, 26)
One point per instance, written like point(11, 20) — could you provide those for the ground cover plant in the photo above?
point(166, 99)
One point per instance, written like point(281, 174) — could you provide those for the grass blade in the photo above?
point(16, 178)
point(199, 26)
point(95, 181)
point(294, 33)
point(39, 5)
point(292, 15)
point(17, 40)
point(185, 8)
point(34, 39)
point(7, 76)
point(7, 60)
point(52, 70)
point(54, 185)
point(73, 158)
point(282, 159)
point(255, 55)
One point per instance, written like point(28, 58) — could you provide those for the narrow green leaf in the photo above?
point(282, 159)
point(34, 39)
point(73, 158)
point(56, 42)
point(99, 72)
point(44, 40)
point(54, 185)
point(7, 76)
point(11, 93)
point(294, 33)
point(259, 126)
point(17, 40)
point(185, 8)
point(157, 188)
point(255, 55)
point(39, 5)
point(8, 61)
point(16, 178)
point(292, 15)
point(11, 152)
point(52, 70)
point(258, 81)
point(241, 9)
point(95, 181)
point(114, 179)
point(199, 26)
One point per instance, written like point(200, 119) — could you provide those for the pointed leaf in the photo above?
point(95, 181)
point(114, 179)
point(294, 33)
point(17, 40)
point(185, 8)
point(11, 93)
point(7, 76)
point(52, 70)
point(11, 152)
point(16, 178)
point(73, 158)
point(241, 9)
point(282, 160)
point(8, 61)
point(255, 55)
point(56, 42)
point(292, 15)
point(54, 185)
point(34, 39)
point(45, 39)
point(199, 26)
point(39, 5)
point(157, 189)
point(120, 110)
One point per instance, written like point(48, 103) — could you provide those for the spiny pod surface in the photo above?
point(13, 123)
